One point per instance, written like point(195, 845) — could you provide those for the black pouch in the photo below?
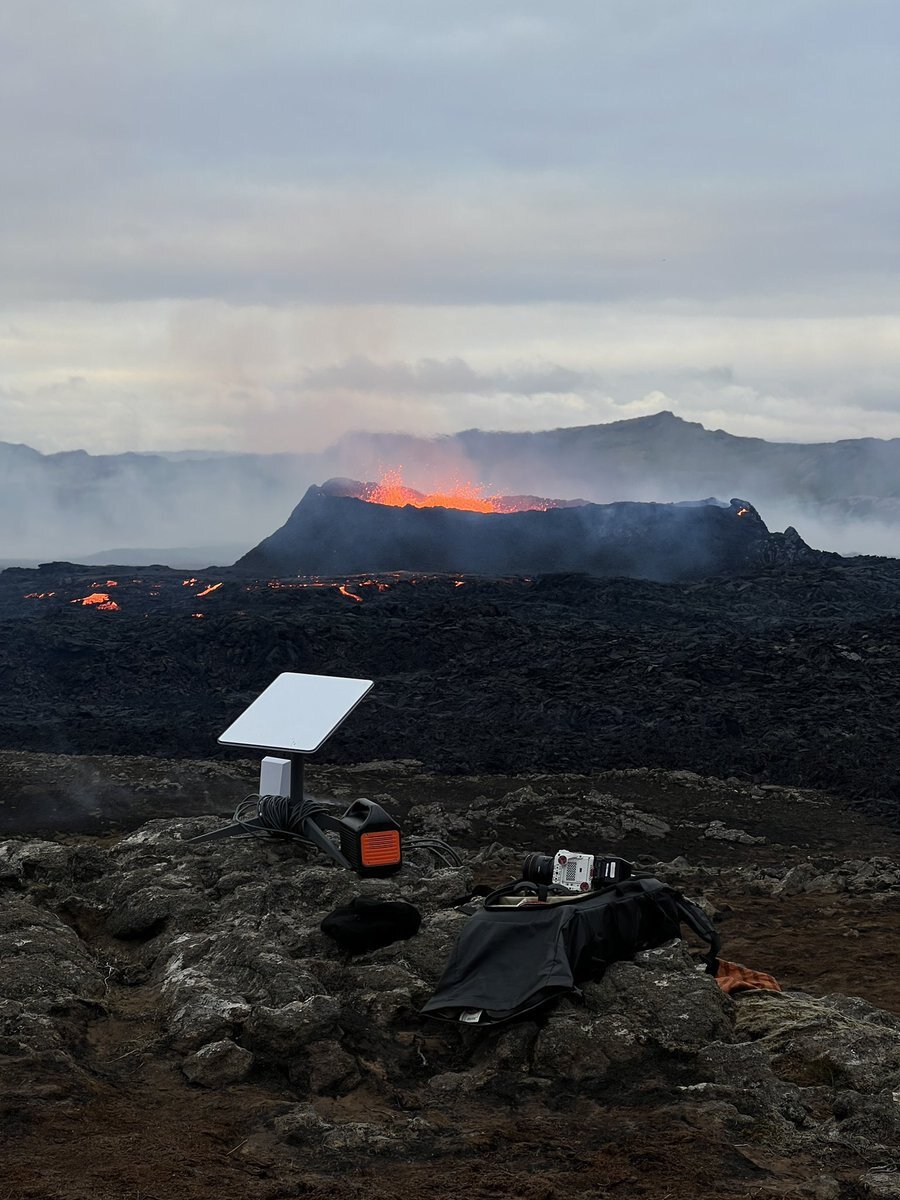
point(366, 924)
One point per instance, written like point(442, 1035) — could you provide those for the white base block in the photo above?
point(275, 777)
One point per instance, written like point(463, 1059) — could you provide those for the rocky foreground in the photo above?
point(173, 1023)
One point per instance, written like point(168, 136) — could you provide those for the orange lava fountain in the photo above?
point(392, 491)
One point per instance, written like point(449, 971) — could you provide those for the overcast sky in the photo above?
point(240, 225)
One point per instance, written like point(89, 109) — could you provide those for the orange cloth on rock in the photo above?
point(732, 977)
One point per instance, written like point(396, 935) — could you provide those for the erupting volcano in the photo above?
point(347, 527)
point(463, 495)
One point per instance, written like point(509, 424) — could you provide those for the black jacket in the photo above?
point(510, 960)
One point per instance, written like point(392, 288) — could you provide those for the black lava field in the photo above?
point(787, 675)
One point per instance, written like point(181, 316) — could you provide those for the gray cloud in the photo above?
point(222, 217)
point(436, 376)
point(495, 239)
point(499, 152)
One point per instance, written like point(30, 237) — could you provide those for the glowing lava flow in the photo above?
point(213, 587)
point(345, 592)
point(99, 600)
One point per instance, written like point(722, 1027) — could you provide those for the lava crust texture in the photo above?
point(785, 675)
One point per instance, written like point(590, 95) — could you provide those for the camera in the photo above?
point(574, 871)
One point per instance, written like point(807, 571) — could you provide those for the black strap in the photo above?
point(519, 888)
point(697, 920)
point(540, 892)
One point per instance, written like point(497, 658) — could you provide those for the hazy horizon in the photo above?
point(205, 507)
point(205, 451)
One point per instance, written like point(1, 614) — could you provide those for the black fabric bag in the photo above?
point(510, 960)
point(365, 924)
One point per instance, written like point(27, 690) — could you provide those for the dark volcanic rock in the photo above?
point(329, 534)
point(50, 990)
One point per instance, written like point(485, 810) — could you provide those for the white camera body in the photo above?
point(573, 871)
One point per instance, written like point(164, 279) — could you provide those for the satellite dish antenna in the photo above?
point(295, 715)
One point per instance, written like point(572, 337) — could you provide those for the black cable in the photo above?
point(437, 848)
point(281, 816)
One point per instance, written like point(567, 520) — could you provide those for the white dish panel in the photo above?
point(296, 713)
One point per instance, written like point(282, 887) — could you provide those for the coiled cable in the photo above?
point(278, 815)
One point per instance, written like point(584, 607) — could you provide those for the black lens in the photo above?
point(538, 868)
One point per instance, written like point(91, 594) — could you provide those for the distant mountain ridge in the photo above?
point(684, 453)
point(841, 495)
